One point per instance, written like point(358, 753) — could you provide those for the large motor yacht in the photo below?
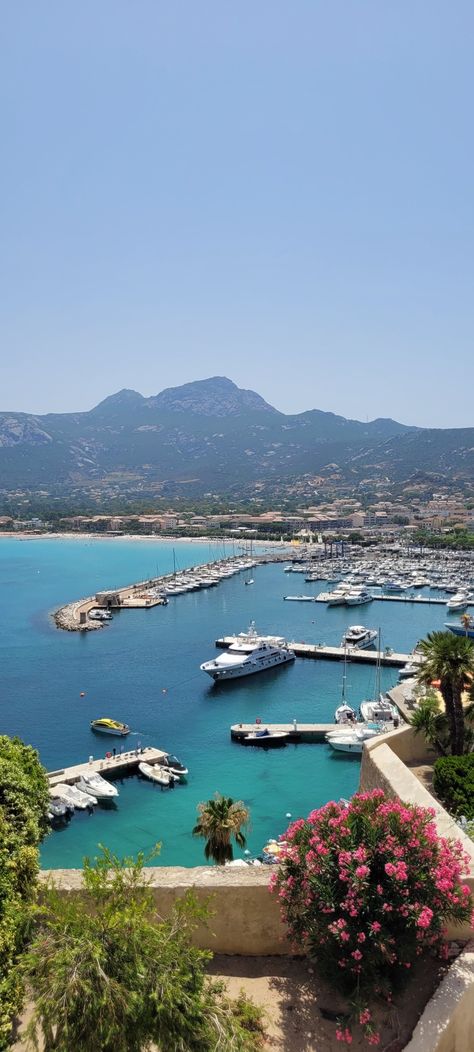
point(359, 636)
point(244, 659)
point(358, 596)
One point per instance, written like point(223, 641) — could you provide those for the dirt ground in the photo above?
point(294, 1000)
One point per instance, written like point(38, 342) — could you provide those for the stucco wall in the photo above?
point(245, 917)
point(447, 1023)
point(382, 768)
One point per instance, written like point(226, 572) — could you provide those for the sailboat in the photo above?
point(344, 713)
point(250, 580)
point(379, 709)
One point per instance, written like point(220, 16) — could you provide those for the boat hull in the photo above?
point(219, 675)
point(116, 733)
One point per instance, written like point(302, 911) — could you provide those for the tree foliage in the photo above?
point(109, 975)
point(220, 820)
point(23, 807)
point(453, 783)
point(449, 660)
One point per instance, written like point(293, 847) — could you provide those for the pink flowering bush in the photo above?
point(365, 889)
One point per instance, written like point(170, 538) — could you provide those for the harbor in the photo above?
point(144, 670)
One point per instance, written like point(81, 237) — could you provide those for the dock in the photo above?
point(319, 652)
point(114, 766)
point(297, 732)
point(414, 599)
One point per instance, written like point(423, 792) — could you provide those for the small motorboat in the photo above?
point(58, 809)
point(299, 598)
point(266, 739)
point(100, 615)
point(95, 785)
point(73, 796)
point(347, 743)
point(105, 725)
point(156, 773)
point(171, 763)
point(250, 581)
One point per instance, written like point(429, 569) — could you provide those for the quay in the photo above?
point(413, 599)
point(319, 652)
point(297, 732)
point(114, 766)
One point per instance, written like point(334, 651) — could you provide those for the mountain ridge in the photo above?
point(217, 434)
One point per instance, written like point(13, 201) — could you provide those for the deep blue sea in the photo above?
point(143, 668)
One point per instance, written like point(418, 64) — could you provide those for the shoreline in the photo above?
point(203, 539)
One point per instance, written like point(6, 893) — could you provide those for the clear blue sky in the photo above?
point(280, 191)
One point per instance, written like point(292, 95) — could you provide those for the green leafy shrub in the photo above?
point(453, 783)
point(107, 974)
point(24, 799)
point(367, 888)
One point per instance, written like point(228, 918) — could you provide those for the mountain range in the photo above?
point(212, 436)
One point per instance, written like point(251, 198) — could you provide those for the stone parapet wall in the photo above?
point(447, 1023)
point(383, 768)
point(245, 918)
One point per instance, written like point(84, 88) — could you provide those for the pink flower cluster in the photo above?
point(372, 884)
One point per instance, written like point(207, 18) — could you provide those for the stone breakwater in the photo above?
point(78, 616)
point(68, 617)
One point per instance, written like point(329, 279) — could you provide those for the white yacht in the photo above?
point(245, 659)
point(339, 595)
point(358, 596)
point(95, 785)
point(459, 601)
point(359, 636)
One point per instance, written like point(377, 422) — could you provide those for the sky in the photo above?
point(279, 192)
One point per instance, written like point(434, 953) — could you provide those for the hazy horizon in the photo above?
point(277, 193)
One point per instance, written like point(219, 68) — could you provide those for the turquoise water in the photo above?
point(125, 669)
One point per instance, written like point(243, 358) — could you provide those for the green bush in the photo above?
point(108, 974)
point(453, 783)
point(23, 807)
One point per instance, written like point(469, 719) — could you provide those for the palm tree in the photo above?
point(427, 719)
point(220, 820)
point(449, 659)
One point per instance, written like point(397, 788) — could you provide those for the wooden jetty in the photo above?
point(319, 652)
point(113, 766)
point(297, 732)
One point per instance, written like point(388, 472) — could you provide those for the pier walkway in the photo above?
point(115, 766)
point(318, 651)
point(297, 732)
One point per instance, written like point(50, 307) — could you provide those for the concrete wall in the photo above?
point(447, 1023)
point(245, 917)
point(384, 767)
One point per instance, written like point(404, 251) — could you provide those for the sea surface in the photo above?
point(143, 668)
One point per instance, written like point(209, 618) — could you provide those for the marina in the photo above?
point(144, 671)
